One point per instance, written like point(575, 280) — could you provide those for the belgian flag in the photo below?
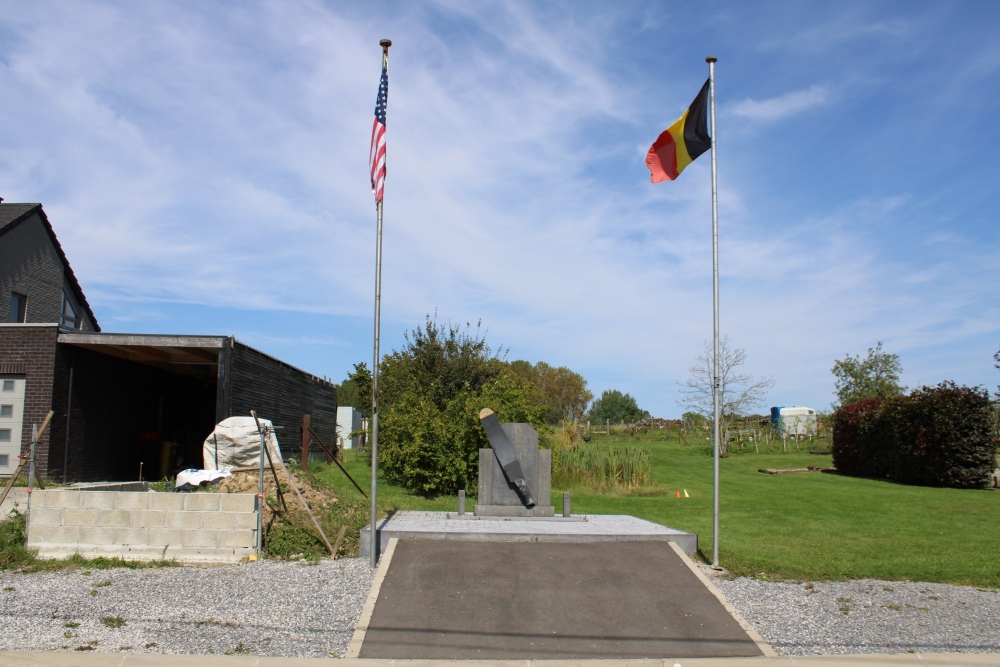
point(682, 142)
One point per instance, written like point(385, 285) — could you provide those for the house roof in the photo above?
point(11, 215)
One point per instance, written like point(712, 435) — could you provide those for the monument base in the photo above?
point(514, 510)
point(578, 528)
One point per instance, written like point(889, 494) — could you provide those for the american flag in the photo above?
point(376, 158)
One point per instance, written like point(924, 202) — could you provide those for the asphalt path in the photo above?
point(448, 599)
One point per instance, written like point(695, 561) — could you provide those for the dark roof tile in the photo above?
point(12, 214)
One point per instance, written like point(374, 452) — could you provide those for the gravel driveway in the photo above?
point(275, 608)
point(267, 608)
point(868, 616)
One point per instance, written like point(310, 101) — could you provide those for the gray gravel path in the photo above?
point(267, 608)
point(868, 616)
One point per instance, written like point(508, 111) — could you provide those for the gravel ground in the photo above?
point(276, 608)
point(867, 616)
point(268, 608)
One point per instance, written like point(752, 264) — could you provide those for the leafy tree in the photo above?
point(875, 376)
point(694, 418)
point(356, 390)
point(566, 393)
point(617, 407)
point(997, 365)
point(739, 392)
point(431, 392)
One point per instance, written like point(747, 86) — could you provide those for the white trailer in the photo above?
point(348, 421)
point(799, 422)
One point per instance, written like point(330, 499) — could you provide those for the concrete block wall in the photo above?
point(187, 527)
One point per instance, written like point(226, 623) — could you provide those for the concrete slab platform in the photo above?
point(468, 600)
point(577, 528)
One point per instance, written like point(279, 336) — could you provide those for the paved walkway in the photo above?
point(451, 599)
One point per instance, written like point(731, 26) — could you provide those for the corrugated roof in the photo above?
point(13, 214)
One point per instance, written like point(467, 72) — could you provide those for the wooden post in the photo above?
point(340, 538)
point(305, 442)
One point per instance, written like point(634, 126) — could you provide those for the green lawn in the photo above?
point(803, 526)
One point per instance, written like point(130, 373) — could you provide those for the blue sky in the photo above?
point(205, 168)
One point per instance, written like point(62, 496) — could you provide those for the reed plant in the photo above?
point(603, 468)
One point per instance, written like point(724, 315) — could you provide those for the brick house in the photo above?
point(122, 400)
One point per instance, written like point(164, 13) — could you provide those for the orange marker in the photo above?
point(678, 494)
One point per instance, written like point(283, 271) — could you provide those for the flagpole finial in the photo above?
point(385, 44)
point(711, 59)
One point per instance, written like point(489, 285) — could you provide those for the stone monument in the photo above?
point(499, 496)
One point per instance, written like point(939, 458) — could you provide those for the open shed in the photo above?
point(122, 399)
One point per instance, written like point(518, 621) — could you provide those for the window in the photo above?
point(7, 411)
point(4, 435)
point(4, 460)
point(8, 385)
point(70, 320)
point(18, 308)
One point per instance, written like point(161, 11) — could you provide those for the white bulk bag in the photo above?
point(236, 443)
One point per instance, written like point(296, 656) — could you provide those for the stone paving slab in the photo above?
point(577, 528)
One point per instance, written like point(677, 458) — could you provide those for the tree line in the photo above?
point(443, 359)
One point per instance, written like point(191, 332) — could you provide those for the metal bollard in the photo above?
point(461, 503)
point(566, 504)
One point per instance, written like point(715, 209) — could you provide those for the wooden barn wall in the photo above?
point(281, 393)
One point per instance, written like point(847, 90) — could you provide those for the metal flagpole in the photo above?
point(711, 60)
point(385, 44)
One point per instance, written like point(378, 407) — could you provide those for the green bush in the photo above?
point(946, 441)
point(286, 539)
point(434, 449)
point(430, 395)
point(936, 436)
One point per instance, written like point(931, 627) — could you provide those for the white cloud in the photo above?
point(218, 159)
point(783, 106)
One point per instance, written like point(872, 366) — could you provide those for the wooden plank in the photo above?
point(340, 538)
point(305, 442)
point(142, 340)
point(277, 484)
point(342, 469)
point(10, 482)
point(302, 500)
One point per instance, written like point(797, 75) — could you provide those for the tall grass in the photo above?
point(604, 469)
point(13, 537)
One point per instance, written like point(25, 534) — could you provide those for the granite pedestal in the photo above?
point(497, 495)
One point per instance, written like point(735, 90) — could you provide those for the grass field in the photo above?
point(798, 526)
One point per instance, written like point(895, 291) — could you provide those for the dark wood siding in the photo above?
point(281, 393)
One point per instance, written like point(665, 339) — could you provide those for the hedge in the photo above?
point(936, 436)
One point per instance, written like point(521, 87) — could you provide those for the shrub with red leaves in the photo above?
point(936, 436)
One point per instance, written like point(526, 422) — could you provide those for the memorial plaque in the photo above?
point(500, 496)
